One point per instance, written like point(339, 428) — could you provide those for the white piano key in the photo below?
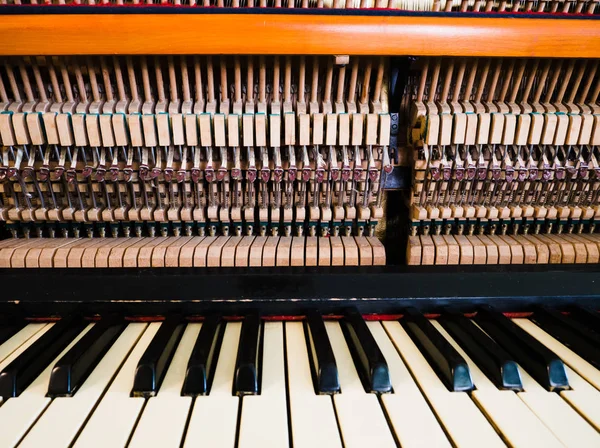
point(20, 338)
point(569, 357)
point(584, 397)
point(312, 416)
point(65, 416)
point(264, 422)
point(517, 423)
point(464, 423)
point(361, 419)
point(214, 417)
point(19, 413)
point(412, 419)
point(114, 418)
point(163, 420)
point(564, 421)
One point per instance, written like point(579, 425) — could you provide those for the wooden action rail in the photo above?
point(386, 34)
point(219, 251)
point(503, 249)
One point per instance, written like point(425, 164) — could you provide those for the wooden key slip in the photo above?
point(554, 250)
point(74, 259)
point(427, 250)
point(228, 253)
point(311, 250)
point(117, 254)
point(144, 259)
point(579, 247)
point(453, 250)
point(7, 251)
point(504, 253)
point(130, 256)
point(324, 251)
point(283, 251)
point(256, 251)
point(529, 250)
point(351, 257)
point(379, 258)
point(201, 252)
point(297, 251)
point(466, 249)
point(364, 251)
point(413, 251)
point(542, 251)
point(516, 250)
point(441, 250)
point(88, 258)
point(479, 249)
point(213, 257)
point(491, 249)
point(186, 254)
point(242, 251)
point(337, 251)
point(46, 255)
point(270, 251)
point(158, 254)
point(566, 248)
point(21, 256)
point(591, 247)
point(593, 238)
point(171, 259)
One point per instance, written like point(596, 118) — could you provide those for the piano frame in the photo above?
point(80, 30)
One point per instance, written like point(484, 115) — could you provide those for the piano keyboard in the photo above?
point(215, 251)
point(488, 380)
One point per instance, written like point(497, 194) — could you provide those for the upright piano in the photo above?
point(299, 223)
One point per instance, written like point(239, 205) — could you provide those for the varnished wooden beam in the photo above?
point(296, 34)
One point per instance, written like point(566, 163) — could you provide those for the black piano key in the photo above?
point(23, 370)
point(203, 361)
point(492, 359)
point(152, 366)
point(587, 317)
point(246, 381)
point(321, 354)
point(577, 337)
point(452, 369)
point(368, 359)
point(540, 362)
point(75, 366)
point(8, 328)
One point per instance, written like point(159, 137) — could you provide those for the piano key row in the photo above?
point(211, 251)
point(263, 384)
point(548, 248)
